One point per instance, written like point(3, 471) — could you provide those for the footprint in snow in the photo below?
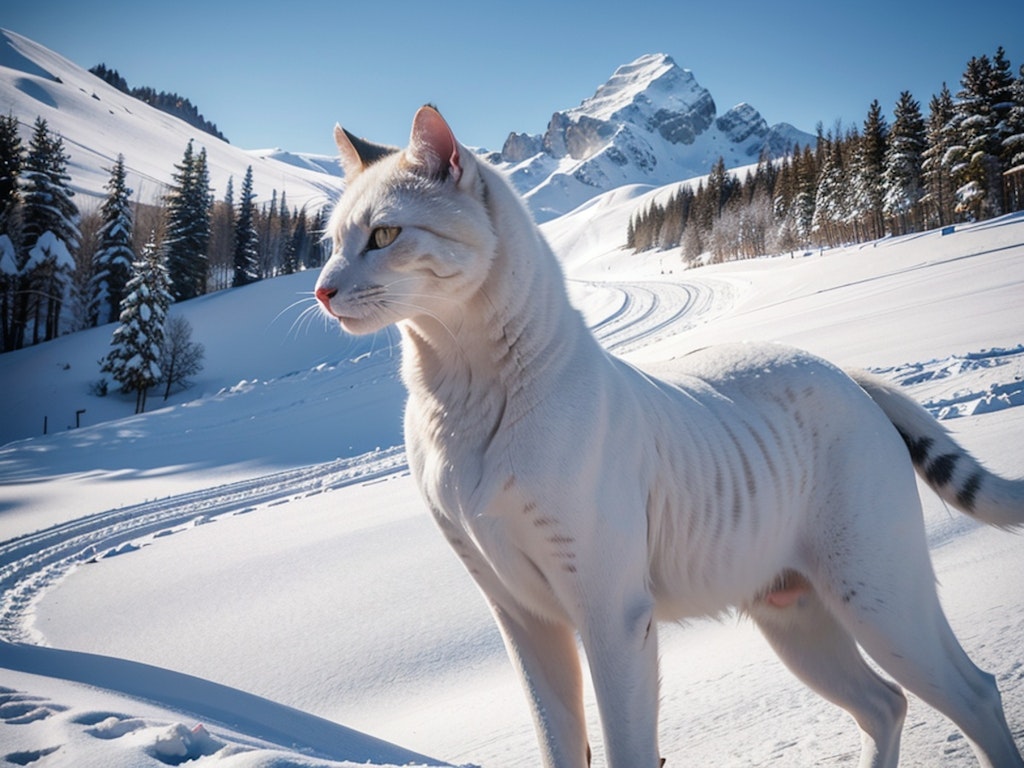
point(29, 756)
point(21, 709)
point(17, 708)
point(170, 744)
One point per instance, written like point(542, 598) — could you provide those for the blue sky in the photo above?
point(283, 74)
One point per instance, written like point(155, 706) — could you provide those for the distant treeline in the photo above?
point(963, 162)
point(62, 270)
point(171, 103)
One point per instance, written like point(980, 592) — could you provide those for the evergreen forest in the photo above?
point(62, 270)
point(962, 161)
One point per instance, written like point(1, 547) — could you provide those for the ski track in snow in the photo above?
point(647, 311)
point(32, 563)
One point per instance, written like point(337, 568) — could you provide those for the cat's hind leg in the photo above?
point(897, 619)
point(824, 656)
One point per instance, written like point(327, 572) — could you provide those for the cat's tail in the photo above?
point(956, 476)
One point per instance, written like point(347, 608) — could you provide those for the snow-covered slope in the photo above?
point(236, 576)
point(97, 122)
point(652, 123)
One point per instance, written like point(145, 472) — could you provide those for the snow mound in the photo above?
point(985, 381)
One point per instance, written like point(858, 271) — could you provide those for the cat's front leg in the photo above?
point(620, 639)
point(545, 656)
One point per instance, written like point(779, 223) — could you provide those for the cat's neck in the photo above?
point(515, 329)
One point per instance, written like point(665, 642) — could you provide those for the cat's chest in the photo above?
point(514, 545)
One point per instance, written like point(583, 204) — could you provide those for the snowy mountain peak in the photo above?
point(653, 83)
point(650, 123)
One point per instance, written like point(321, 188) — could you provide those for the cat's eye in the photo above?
point(382, 237)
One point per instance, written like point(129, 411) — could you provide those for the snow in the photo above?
point(98, 122)
point(257, 546)
point(49, 248)
point(673, 89)
point(246, 575)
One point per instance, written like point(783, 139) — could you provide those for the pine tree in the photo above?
point(285, 263)
point(320, 249)
point(937, 175)
point(188, 226)
point(1013, 146)
point(268, 228)
point(11, 158)
point(299, 244)
point(246, 257)
point(802, 210)
point(8, 284)
point(1002, 85)
point(112, 262)
point(222, 239)
point(50, 235)
point(870, 167)
point(831, 211)
point(138, 341)
point(12, 154)
point(976, 165)
point(904, 155)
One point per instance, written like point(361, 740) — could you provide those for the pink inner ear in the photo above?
point(433, 143)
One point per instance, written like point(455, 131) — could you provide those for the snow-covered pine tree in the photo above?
point(831, 201)
point(12, 154)
point(1002, 88)
point(246, 254)
point(870, 193)
point(112, 262)
point(8, 282)
point(50, 235)
point(937, 176)
point(976, 165)
point(802, 210)
point(1013, 146)
point(188, 225)
point(202, 194)
point(137, 342)
point(904, 155)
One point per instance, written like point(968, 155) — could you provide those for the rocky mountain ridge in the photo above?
point(650, 123)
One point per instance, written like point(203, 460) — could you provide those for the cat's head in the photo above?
point(411, 235)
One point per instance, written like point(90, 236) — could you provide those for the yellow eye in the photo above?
point(382, 237)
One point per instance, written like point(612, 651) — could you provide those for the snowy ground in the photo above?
point(248, 574)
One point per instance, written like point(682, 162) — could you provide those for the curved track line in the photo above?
point(31, 563)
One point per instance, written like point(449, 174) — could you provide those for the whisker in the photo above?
point(303, 320)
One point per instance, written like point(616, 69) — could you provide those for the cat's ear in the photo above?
point(358, 153)
point(432, 145)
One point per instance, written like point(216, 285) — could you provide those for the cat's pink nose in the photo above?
point(324, 295)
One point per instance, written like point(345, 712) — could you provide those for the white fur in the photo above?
point(586, 496)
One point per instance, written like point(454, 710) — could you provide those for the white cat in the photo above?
point(586, 496)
